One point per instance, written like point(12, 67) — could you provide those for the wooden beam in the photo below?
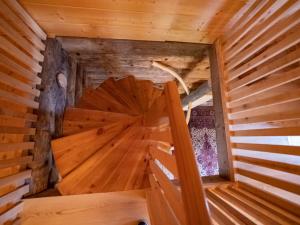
point(221, 119)
point(201, 91)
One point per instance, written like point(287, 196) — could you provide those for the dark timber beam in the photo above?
point(221, 120)
point(202, 90)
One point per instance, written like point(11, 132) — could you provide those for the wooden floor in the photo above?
point(114, 208)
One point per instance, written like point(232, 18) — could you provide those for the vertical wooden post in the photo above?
point(221, 119)
point(191, 185)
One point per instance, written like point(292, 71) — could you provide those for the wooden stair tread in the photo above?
point(86, 176)
point(77, 119)
point(71, 151)
point(112, 87)
point(114, 208)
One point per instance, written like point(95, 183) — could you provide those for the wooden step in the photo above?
point(77, 119)
point(112, 87)
point(71, 151)
point(89, 176)
point(115, 208)
point(100, 100)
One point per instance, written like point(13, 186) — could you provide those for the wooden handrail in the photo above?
point(193, 195)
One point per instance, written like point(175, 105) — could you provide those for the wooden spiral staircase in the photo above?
point(113, 139)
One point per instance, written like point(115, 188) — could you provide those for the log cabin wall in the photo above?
point(21, 47)
point(259, 57)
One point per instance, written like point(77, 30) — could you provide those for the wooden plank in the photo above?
point(16, 179)
point(9, 31)
point(285, 185)
point(15, 161)
point(191, 186)
point(221, 216)
point(265, 70)
point(266, 102)
point(278, 149)
point(281, 213)
point(114, 208)
point(284, 167)
point(20, 70)
point(262, 10)
point(18, 99)
point(19, 10)
point(10, 81)
point(159, 210)
point(11, 49)
point(12, 213)
point(269, 197)
point(285, 131)
point(4, 147)
point(270, 82)
point(14, 196)
point(168, 160)
point(292, 38)
point(17, 130)
point(263, 31)
point(259, 212)
point(221, 117)
point(172, 194)
point(228, 205)
point(279, 117)
point(71, 151)
point(20, 25)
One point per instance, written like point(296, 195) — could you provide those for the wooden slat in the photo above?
point(275, 210)
point(284, 167)
point(264, 29)
point(220, 215)
point(265, 85)
point(159, 210)
point(19, 10)
point(264, 70)
point(285, 185)
point(286, 131)
point(280, 116)
point(278, 149)
point(20, 70)
point(16, 146)
point(292, 38)
point(11, 214)
point(9, 31)
point(15, 161)
point(14, 196)
point(20, 25)
point(9, 80)
point(17, 130)
point(18, 99)
point(259, 212)
point(20, 55)
point(166, 159)
point(191, 185)
point(173, 195)
point(267, 102)
point(269, 197)
point(16, 179)
point(261, 10)
point(228, 205)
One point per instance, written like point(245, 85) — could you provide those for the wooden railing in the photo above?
point(181, 193)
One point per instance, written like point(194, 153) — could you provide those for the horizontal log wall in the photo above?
point(261, 80)
point(21, 47)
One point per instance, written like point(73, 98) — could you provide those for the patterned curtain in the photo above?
point(203, 133)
